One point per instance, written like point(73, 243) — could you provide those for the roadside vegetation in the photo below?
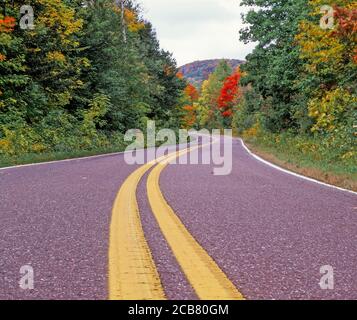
point(83, 76)
point(295, 98)
point(306, 156)
point(86, 74)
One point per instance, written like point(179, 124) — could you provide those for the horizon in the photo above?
point(203, 35)
point(204, 60)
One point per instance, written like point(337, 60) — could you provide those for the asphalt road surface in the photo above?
point(267, 233)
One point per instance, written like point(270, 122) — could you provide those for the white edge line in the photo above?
point(241, 140)
point(74, 159)
point(64, 160)
point(293, 173)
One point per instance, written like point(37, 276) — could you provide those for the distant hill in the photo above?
point(198, 71)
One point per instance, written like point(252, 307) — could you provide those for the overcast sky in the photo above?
point(198, 29)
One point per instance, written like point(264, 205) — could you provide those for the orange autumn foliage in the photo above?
point(133, 22)
point(190, 116)
point(188, 108)
point(191, 92)
point(7, 24)
point(179, 75)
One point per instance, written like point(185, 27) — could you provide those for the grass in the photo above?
point(309, 163)
point(6, 161)
point(29, 158)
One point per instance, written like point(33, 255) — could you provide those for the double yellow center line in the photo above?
point(132, 271)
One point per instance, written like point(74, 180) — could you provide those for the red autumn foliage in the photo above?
point(229, 94)
point(347, 21)
point(347, 25)
point(227, 114)
point(7, 24)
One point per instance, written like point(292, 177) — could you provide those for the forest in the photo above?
point(86, 73)
point(91, 70)
point(198, 71)
point(296, 95)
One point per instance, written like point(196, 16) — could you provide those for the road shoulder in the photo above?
point(340, 181)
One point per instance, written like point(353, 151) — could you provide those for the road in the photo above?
point(98, 228)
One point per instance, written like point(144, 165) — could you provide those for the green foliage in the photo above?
point(274, 66)
point(74, 82)
point(301, 79)
point(210, 116)
point(330, 155)
point(248, 112)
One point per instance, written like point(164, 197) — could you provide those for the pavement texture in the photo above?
point(270, 232)
point(56, 218)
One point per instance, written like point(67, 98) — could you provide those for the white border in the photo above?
point(293, 173)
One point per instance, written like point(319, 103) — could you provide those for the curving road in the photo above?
point(265, 232)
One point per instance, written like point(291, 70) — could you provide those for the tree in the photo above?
point(163, 84)
point(229, 94)
point(209, 113)
point(275, 65)
point(191, 92)
point(331, 68)
point(75, 82)
point(14, 81)
point(191, 96)
point(302, 77)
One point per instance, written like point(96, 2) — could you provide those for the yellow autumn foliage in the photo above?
point(55, 56)
point(317, 44)
point(328, 108)
point(133, 23)
point(328, 55)
point(254, 131)
point(60, 17)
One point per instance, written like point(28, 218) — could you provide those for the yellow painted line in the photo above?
point(205, 276)
point(132, 271)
